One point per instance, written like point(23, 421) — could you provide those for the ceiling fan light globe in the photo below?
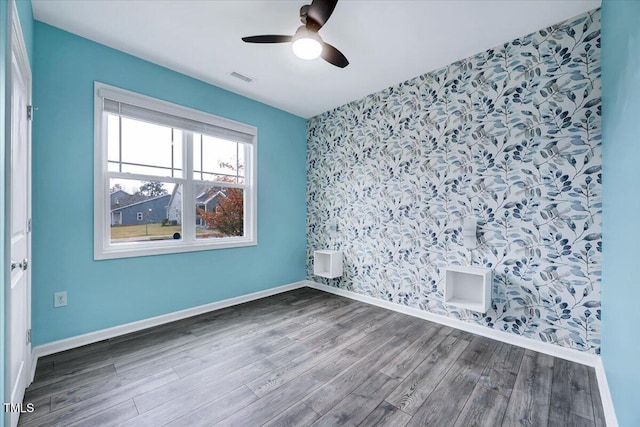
point(306, 48)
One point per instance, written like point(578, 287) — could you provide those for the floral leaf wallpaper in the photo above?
point(510, 136)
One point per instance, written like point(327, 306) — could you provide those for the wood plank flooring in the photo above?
point(308, 358)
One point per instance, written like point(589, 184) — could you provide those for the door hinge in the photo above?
point(29, 225)
point(30, 109)
point(28, 336)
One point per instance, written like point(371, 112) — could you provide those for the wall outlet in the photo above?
point(60, 299)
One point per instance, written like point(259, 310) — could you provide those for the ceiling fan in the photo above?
point(306, 42)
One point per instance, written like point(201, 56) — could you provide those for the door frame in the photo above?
point(16, 46)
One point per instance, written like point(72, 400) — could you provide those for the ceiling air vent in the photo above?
point(241, 77)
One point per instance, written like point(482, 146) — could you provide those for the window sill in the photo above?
point(146, 249)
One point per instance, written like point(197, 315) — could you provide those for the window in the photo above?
point(170, 179)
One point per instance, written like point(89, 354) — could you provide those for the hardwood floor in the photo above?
point(303, 358)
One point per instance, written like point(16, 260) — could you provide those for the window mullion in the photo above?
point(222, 184)
point(172, 150)
point(142, 177)
point(188, 205)
point(119, 143)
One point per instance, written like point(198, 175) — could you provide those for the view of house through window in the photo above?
point(219, 211)
point(141, 210)
point(169, 185)
point(151, 209)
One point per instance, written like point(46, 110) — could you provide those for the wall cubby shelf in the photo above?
point(468, 287)
point(327, 264)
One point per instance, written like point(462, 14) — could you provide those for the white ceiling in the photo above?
point(386, 42)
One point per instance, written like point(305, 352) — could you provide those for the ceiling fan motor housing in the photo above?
point(303, 13)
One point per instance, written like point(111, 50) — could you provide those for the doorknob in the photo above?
point(24, 264)
point(13, 265)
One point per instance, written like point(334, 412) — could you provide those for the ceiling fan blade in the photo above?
point(319, 12)
point(333, 56)
point(267, 39)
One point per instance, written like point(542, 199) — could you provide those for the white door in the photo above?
point(18, 196)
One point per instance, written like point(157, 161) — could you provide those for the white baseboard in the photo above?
point(92, 337)
point(605, 395)
point(539, 346)
point(590, 360)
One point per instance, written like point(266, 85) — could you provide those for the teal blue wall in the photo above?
point(103, 294)
point(621, 204)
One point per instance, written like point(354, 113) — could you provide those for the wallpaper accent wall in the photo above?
point(510, 136)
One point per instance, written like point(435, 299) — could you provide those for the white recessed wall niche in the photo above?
point(327, 264)
point(468, 287)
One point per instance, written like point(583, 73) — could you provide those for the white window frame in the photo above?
point(103, 248)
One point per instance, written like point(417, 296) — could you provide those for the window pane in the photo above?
point(145, 143)
point(220, 178)
point(177, 153)
point(150, 145)
point(241, 164)
point(113, 138)
point(197, 156)
point(150, 170)
point(215, 158)
point(219, 211)
point(144, 211)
